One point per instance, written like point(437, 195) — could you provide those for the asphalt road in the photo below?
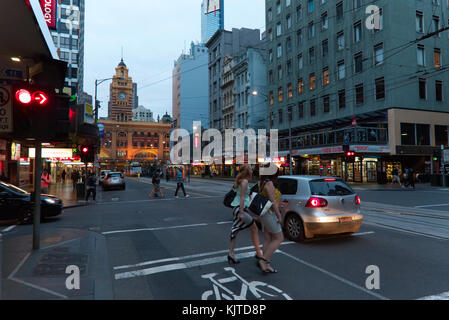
point(175, 249)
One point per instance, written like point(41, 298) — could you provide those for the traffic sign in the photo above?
point(5, 110)
point(446, 156)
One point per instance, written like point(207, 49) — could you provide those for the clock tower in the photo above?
point(121, 95)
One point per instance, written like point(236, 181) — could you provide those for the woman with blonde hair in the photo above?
point(242, 219)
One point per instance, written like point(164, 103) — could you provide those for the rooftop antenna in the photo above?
point(122, 53)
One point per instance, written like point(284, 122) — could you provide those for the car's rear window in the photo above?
point(330, 188)
point(288, 186)
point(114, 175)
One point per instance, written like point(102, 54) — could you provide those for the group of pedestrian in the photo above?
point(408, 178)
point(156, 181)
point(244, 219)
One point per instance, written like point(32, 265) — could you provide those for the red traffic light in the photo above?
point(40, 97)
point(23, 96)
point(350, 154)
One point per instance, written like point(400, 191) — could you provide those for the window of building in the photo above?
point(279, 51)
point(289, 67)
point(270, 77)
point(324, 21)
point(441, 135)
point(423, 134)
point(280, 72)
point(278, 7)
point(326, 104)
point(288, 45)
point(341, 69)
point(312, 107)
point(289, 90)
point(339, 9)
point(358, 62)
point(270, 15)
point(342, 99)
point(356, 4)
point(422, 88)
point(420, 54)
point(289, 21)
point(300, 62)
point(300, 86)
point(301, 110)
point(326, 76)
point(270, 55)
point(312, 81)
point(357, 31)
point(271, 98)
point(311, 5)
point(288, 3)
point(311, 30)
point(290, 113)
point(312, 55)
point(379, 54)
point(359, 94)
point(340, 40)
point(408, 137)
point(419, 22)
point(280, 95)
point(299, 13)
point(437, 58)
point(380, 88)
point(299, 38)
point(435, 24)
point(325, 48)
point(439, 90)
point(279, 29)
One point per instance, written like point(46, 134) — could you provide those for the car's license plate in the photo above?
point(345, 219)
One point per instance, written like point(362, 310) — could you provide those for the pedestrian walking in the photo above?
point(396, 177)
point(411, 178)
point(63, 175)
point(45, 181)
point(156, 184)
point(180, 184)
point(91, 187)
point(406, 178)
point(75, 178)
point(242, 219)
point(271, 221)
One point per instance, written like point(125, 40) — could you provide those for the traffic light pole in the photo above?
point(37, 195)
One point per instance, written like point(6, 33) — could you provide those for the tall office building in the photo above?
point(65, 19)
point(212, 18)
point(335, 79)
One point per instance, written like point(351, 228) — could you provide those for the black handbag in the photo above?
point(259, 204)
point(229, 198)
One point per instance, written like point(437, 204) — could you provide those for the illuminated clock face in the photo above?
point(122, 96)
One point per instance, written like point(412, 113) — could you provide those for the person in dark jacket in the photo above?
point(91, 187)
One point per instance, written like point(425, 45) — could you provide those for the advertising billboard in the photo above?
point(49, 10)
point(211, 6)
point(88, 113)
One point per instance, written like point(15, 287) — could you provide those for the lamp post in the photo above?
point(257, 93)
point(97, 83)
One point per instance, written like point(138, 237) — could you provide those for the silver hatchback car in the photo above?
point(114, 180)
point(315, 205)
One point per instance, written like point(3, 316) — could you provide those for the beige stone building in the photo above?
point(121, 97)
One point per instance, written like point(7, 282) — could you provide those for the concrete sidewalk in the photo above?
point(41, 275)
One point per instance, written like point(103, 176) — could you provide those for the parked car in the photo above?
point(114, 180)
point(16, 203)
point(315, 205)
point(103, 174)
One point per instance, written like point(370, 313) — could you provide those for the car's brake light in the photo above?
point(330, 180)
point(316, 203)
point(357, 200)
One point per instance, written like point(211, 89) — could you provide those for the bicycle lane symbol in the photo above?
point(259, 290)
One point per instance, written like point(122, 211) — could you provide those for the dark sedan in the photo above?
point(16, 203)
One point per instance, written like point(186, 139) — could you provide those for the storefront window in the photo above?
point(441, 136)
point(408, 134)
point(423, 134)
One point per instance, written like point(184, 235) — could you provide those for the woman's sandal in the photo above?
point(272, 270)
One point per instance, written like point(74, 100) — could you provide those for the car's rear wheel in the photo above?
point(294, 228)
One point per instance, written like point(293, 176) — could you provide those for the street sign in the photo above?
point(5, 110)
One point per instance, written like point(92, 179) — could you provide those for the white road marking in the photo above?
point(441, 296)
point(433, 205)
point(363, 233)
point(334, 276)
point(403, 230)
point(9, 228)
point(12, 278)
point(153, 200)
point(156, 229)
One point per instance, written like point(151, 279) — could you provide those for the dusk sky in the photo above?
point(153, 35)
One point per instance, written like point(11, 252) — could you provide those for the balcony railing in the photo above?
point(336, 138)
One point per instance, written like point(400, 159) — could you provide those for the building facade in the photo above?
point(142, 114)
point(121, 95)
point(67, 30)
point(124, 143)
point(249, 73)
point(190, 88)
point(225, 44)
point(212, 18)
point(336, 79)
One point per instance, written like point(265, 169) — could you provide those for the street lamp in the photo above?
point(257, 93)
point(97, 83)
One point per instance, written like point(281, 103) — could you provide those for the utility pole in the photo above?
point(290, 140)
point(37, 195)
